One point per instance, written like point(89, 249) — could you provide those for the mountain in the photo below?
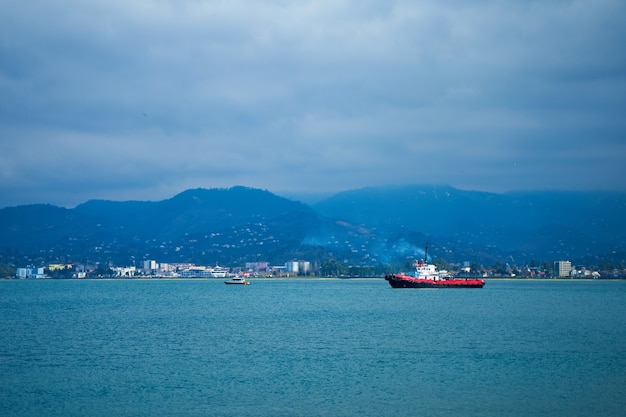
point(202, 226)
point(192, 212)
point(368, 226)
point(486, 226)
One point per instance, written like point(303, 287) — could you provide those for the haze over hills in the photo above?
point(358, 227)
point(524, 225)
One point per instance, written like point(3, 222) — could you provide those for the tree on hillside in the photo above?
point(476, 268)
point(6, 271)
point(333, 268)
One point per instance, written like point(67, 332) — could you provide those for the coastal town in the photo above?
point(151, 269)
point(154, 269)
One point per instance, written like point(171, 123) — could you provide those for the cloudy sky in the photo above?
point(142, 99)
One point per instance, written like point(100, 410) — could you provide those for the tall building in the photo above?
point(298, 267)
point(150, 265)
point(562, 268)
point(291, 266)
point(304, 267)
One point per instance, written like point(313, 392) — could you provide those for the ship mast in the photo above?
point(426, 253)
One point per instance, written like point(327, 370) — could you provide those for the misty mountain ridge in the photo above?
point(525, 225)
point(360, 227)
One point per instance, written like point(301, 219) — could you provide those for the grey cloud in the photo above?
point(318, 95)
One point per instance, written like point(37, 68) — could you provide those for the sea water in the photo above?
point(311, 348)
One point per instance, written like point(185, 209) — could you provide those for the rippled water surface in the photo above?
point(311, 348)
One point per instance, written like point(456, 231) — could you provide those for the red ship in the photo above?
point(427, 276)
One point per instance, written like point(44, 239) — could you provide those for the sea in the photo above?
point(311, 348)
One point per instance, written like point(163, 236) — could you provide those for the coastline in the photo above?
point(311, 278)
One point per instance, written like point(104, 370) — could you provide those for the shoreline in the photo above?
point(154, 278)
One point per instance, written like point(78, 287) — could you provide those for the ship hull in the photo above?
point(403, 281)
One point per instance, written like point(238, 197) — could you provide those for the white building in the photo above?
point(562, 268)
point(298, 267)
point(304, 267)
point(205, 272)
point(150, 265)
point(128, 271)
point(31, 273)
point(292, 267)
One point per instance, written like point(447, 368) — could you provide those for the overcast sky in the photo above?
point(140, 100)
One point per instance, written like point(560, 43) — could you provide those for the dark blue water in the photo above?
point(311, 348)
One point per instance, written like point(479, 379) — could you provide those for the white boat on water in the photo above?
point(237, 281)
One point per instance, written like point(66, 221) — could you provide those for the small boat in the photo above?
point(237, 281)
point(427, 276)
